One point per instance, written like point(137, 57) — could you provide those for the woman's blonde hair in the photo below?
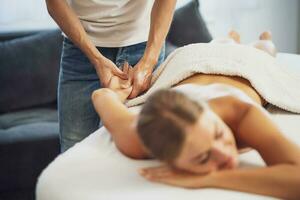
point(162, 121)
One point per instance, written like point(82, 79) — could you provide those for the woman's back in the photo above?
point(218, 85)
point(211, 91)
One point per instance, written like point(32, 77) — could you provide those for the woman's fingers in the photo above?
point(175, 178)
point(163, 172)
point(126, 67)
point(156, 169)
point(130, 73)
point(172, 176)
point(157, 172)
point(165, 176)
point(128, 82)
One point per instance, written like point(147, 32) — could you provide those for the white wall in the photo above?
point(250, 17)
point(299, 28)
point(22, 15)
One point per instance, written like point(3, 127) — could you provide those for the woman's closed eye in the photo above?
point(219, 134)
point(205, 158)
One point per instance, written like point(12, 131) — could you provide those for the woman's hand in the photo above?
point(167, 175)
point(122, 87)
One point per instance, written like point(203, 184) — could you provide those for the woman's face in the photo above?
point(209, 146)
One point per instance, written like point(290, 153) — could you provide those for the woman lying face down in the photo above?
point(198, 139)
point(186, 134)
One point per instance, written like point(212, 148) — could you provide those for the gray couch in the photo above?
point(29, 66)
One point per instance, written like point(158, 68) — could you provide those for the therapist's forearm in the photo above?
point(281, 181)
point(161, 17)
point(69, 23)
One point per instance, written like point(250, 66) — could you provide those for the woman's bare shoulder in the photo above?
point(253, 126)
point(230, 108)
point(257, 129)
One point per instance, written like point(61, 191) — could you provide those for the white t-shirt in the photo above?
point(114, 23)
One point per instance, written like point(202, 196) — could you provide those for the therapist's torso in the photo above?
point(114, 23)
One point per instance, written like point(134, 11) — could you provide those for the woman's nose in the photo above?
point(219, 153)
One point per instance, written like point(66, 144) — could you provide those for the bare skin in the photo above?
point(265, 43)
point(246, 124)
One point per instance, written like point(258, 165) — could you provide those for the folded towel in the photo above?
point(272, 81)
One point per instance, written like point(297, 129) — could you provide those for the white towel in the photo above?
point(272, 81)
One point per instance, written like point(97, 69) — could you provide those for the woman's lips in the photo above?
point(228, 164)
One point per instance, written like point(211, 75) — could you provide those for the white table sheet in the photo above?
point(95, 170)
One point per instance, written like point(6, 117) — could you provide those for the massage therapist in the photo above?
point(100, 35)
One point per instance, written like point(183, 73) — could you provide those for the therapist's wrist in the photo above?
point(152, 52)
point(149, 60)
point(91, 52)
point(96, 58)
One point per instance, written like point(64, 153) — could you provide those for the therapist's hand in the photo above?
point(120, 86)
point(142, 74)
point(167, 175)
point(106, 69)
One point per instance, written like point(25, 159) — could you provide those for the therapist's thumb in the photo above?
point(117, 72)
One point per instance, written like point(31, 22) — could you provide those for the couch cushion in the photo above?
point(38, 115)
point(29, 69)
point(25, 150)
point(188, 26)
point(28, 142)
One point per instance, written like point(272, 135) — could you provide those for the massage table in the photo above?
point(94, 169)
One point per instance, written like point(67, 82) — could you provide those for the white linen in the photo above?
point(95, 170)
point(275, 82)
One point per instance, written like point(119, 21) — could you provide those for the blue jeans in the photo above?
point(77, 81)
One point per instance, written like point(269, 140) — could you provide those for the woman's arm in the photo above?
point(281, 177)
point(257, 130)
point(119, 121)
point(281, 181)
